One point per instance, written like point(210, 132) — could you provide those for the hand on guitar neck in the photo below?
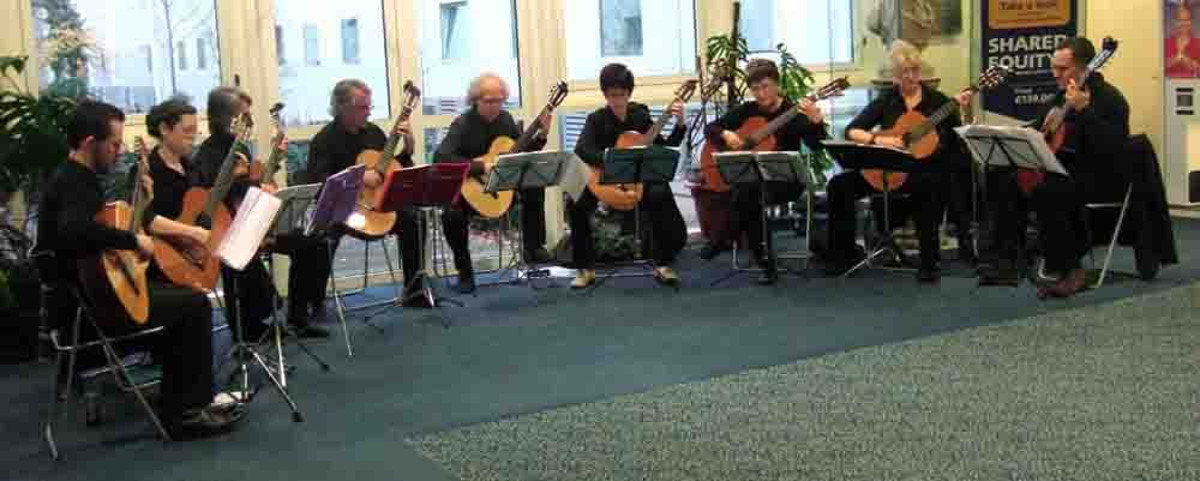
point(806, 106)
point(1078, 98)
point(372, 178)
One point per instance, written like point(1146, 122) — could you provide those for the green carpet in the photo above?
point(1104, 392)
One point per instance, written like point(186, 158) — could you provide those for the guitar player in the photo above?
point(67, 228)
point(1097, 128)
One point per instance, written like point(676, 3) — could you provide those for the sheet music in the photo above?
point(575, 177)
point(1027, 147)
point(296, 203)
point(255, 216)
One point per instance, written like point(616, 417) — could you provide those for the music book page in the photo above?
point(254, 218)
point(575, 177)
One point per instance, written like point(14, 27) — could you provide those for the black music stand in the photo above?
point(652, 164)
point(855, 156)
point(334, 208)
point(757, 170)
point(429, 189)
point(1011, 148)
point(289, 224)
point(517, 172)
point(249, 240)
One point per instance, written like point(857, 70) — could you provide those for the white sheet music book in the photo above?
point(254, 218)
point(575, 177)
point(1026, 146)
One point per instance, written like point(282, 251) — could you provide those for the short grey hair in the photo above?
point(340, 97)
point(475, 91)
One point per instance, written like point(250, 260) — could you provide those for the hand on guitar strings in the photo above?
point(811, 110)
point(193, 242)
point(145, 245)
point(242, 168)
point(890, 141)
point(372, 179)
point(1078, 98)
point(732, 140)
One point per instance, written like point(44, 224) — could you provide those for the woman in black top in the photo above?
point(600, 132)
point(925, 188)
point(762, 76)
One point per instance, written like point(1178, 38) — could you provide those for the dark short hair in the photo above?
point(92, 119)
point(169, 112)
point(616, 76)
point(761, 68)
point(222, 103)
point(1082, 49)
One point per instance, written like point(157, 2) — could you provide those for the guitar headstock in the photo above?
point(411, 94)
point(276, 119)
point(685, 91)
point(558, 93)
point(993, 77)
point(714, 84)
point(832, 89)
point(139, 149)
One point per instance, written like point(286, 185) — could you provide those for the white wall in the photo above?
point(490, 27)
point(668, 39)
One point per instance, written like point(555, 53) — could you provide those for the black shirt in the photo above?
point(334, 149)
point(889, 106)
point(787, 138)
point(208, 160)
point(169, 184)
point(66, 219)
point(470, 136)
point(1098, 133)
point(603, 128)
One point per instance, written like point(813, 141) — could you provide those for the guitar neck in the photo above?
point(389, 149)
point(774, 125)
point(275, 159)
point(527, 135)
point(224, 180)
point(138, 199)
point(936, 118)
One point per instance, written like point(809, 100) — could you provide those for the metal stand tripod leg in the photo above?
point(243, 351)
point(887, 240)
point(431, 242)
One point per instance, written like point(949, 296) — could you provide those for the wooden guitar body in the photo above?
point(116, 279)
point(489, 205)
point(623, 197)
point(921, 149)
point(708, 163)
point(376, 224)
point(183, 268)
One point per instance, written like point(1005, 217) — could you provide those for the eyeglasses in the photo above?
point(491, 100)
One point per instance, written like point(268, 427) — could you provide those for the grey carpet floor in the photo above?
point(1102, 392)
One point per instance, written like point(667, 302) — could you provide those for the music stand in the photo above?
point(429, 189)
point(757, 170)
point(1013, 148)
point(518, 172)
point(855, 156)
point(241, 244)
point(335, 206)
point(290, 222)
point(652, 164)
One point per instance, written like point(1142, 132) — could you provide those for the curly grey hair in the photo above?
point(475, 91)
point(340, 97)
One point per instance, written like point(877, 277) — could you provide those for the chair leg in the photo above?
point(121, 374)
point(1112, 243)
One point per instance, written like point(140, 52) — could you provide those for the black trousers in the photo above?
point(658, 202)
point(308, 275)
point(747, 215)
point(925, 193)
point(185, 349)
point(252, 299)
point(1058, 202)
point(456, 221)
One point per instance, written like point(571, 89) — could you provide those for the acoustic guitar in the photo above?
point(493, 205)
point(919, 133)
point(205, 208)
point(1055, 126)
point(758, 135)
point(625, 197)
point(116, 279)
point(376, 223)
point(264, 172)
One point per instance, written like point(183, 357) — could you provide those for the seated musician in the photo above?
point(600, 132)
point(255, 294)
point(1097, 130)
point(67, 227)
point(470, 136)
point(924, 188)
point(337, 147)
point(762, 76)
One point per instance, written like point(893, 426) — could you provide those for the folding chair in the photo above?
point(66, 352)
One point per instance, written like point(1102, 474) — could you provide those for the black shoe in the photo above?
point(711, 250)
point(928, 274)
point(203, 423)
point(466, 283)
point(538, 256)
point(308, 331)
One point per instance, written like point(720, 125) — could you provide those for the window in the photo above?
point(825, 35)
point(602, 31)
point(350, 41)
point(620, 28)
point(280, 52)
point(312, 45)
point(305, 82)
point(181, 49)
point(454, 28)
point(89, 47)
point(460, 40)
point(201, 54)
